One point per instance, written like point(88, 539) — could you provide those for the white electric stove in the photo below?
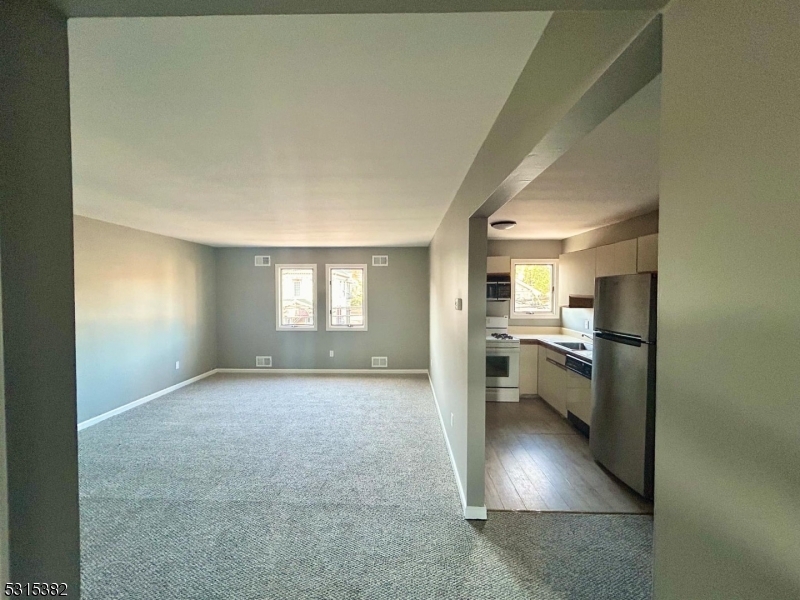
point(502, 362)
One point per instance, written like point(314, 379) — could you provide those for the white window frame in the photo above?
point(278, 325)
point(553, 314)
point(328, 325)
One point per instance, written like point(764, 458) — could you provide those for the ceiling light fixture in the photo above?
point(503, 224)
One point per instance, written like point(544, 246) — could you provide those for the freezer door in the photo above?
point(626, 304)
point(623, 411)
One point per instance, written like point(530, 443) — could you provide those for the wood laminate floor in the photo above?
point(535, 460)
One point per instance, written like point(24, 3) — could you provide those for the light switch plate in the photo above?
point(459, 304)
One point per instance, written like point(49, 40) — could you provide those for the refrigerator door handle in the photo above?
point(630, 340)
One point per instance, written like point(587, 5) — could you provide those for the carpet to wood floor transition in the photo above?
point(256, 487)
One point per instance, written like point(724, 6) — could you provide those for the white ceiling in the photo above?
point(323, 130)
point(609, 176)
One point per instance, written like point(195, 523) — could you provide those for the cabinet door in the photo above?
point(625, 257)
point(579, 397)
point(498, 264)
point(605, 261)
point(557, 380)
point(576, 272)
point(647, 259)
point(553, 380)
point(528, 369)
point(617, 259)
point(542, 373)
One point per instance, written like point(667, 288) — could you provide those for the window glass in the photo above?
point(498, 366)
point(296, 297)
point(347, 298)
point(534, 288)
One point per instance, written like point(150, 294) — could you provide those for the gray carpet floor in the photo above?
point(293, 487)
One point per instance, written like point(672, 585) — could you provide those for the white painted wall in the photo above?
point(557, 75)
point(727, 498)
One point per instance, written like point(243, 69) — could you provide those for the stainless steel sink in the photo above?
point(573, 345)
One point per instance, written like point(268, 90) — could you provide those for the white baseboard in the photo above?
point(271, 371)
point(140, 401)
point(470, 512)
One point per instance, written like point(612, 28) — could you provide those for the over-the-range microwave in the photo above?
point(498, 287)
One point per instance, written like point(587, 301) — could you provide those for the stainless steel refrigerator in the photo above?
point(622, 435)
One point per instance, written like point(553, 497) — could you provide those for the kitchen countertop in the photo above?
point(548, 339)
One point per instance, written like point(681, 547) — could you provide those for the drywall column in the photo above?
point(37, 295)
point(727, 498)
point(449, 338)
point(476, 365)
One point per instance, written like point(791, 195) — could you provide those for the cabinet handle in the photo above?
point(559, 365)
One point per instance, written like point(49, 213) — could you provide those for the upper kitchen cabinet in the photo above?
point(576, 271)
point(617, 259)
point(647, 261)
point(498, 265)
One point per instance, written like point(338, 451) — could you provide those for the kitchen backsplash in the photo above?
point(576, 319)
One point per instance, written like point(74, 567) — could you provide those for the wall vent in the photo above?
point(263, 361)
point(381, 260)
point(262, 261)
point(380, 361)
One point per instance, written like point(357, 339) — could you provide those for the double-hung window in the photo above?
point(347, 297)
point(296, 302)
point(533, 289)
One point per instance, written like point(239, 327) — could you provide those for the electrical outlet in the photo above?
point(177, 365)
point(331, 353)
point(451, 419)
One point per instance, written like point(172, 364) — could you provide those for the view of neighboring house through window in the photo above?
point(347, 297)
point(533, 289)
point(296, 296)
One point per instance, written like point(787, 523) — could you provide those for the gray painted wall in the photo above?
point(142, 302)
point(611, 234)
point(727, 498)
point(397, 298)
point(3, 462)
point(38, 295)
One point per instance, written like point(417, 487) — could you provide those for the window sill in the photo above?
point(516, 316)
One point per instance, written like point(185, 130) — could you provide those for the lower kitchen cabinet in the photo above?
point(542, 383)
point(579, 397)
point(528, 369)
point(553, 379)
